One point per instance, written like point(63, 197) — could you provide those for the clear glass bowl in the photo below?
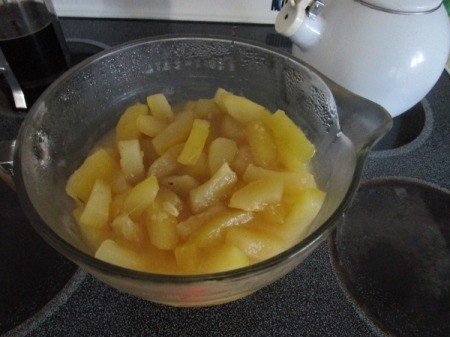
point(86, 102)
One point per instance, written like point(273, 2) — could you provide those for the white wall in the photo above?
point(246, 11)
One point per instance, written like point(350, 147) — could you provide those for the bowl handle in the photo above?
point(6, 162)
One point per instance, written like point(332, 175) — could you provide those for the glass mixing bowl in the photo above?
point(87, 101)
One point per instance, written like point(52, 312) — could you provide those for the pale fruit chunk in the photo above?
point(126, 128)
point(149, 151)
point(293, 182)
point(93, 237)
point(262, 145)
point(215, 189)
point(161, 261)
point(257, 195)
point(96, 212)
point(220, 151)
point(167, 163)
point(218, 98)
point(141, 196)
point(187, 257)
point(205, 108)
point(274, 213)
point(150, 125)
point(195, 142)
point(181, 185)
point(170, 201)
point(119, 183)
point(161, 228)
point(159, 106)
point(186, 227)
point(231, 128)
point(99, 165)
point(294, 149)
point(223, 258)
point(244, 110)
point(298, 221)
point(175, 133)
point(109, 251)
point(131, 159)
point(211, 232)
point(127, 228)
point(199, 171)
point(177, 108)
point(116, 205)
point(242, 159)
point(257, 244)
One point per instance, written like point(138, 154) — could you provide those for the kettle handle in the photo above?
point(300, 21)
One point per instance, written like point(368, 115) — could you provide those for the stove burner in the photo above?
point(31, 272)
point(392, 257)
point(406, 127)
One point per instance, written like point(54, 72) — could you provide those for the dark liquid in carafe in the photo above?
point(31, 46)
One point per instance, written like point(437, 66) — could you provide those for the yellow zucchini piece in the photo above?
point(218, 98)
point(220, 151)
point(222, 258)
point(180, 184)
point(257, 244)
point(211, 232)
point(149, 151)
point(304, 210)
point(99, 165)
point(159, 106)
point(126, 128)
point(187, 257)
point(293, 182)
point(244, 110)
point(195, 142)
point(115, 209)
point(167, 163)
point(294, 149)
point(141, 197)
point(186, 227)
point(175, 133)
point(161, 227)
point(109, 251)
point(205, 108)
point(231, 128)
point(96, 211)
point(169, 201)
point(262, 145)
point(215, 189)
point(150, 125)
point(124, 226)
point(119, 183)
point(257, 195)
point(131, 159)
point(242, 159)
point(93, 237)
point(199, 171)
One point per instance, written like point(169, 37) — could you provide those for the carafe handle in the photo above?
point(16, 90)
point(6, 161)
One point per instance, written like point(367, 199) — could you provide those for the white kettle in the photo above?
point(389, 51)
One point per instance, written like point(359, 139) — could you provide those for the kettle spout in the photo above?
point(300, 21)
